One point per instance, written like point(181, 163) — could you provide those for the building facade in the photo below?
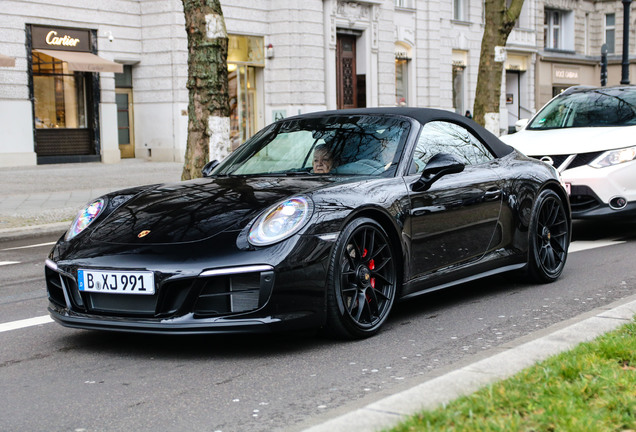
point(119, 91)
point(570, 41)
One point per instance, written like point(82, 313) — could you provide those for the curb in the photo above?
point(389, 411)
point(32, 231)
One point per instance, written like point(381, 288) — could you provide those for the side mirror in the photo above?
point(520, 124)
point(208, 167)
point(438, 166)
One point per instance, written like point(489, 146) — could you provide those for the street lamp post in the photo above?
point(625, 70)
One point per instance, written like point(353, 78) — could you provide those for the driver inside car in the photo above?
point(323, 159)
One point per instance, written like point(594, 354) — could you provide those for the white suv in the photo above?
point(589, 135)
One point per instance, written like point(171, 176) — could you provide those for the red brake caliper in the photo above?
point(371, 267)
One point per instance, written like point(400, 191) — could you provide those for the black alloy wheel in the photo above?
point(549, 238)
point(362, 281)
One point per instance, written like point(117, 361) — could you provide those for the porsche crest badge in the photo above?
point(144, 233)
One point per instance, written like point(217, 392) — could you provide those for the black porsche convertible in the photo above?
point(322, 220)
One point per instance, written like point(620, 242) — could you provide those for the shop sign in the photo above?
point(60, 38)
point(566, 75)
point(402, 55)
point(516, 63)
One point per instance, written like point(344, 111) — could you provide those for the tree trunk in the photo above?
point(500, 21)
point(208, 107)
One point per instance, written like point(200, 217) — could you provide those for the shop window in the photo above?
point(245, 61)
point(610, 32)
point(401, 82)
point(242, 92)
point(458, 88)
point(59, 94)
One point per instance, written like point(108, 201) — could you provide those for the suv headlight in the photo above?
point(281, 221)
point(614, 157)
point(84, 218)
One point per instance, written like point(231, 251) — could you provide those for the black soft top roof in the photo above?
point(423, 116)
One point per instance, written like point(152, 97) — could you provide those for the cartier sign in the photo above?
point(60, 38)
point(53, 39)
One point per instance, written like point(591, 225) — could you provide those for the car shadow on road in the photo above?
point(246, 346)
point(427, 306)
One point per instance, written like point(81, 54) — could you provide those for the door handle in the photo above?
point(492, 194)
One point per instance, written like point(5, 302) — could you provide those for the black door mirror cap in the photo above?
point(438, 166)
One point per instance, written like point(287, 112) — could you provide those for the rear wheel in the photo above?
point(362, 281)
point(549, 238)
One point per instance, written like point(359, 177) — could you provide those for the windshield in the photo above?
point(594, 108)
point(335, 145)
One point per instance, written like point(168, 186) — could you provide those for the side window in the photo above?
point(445, 137)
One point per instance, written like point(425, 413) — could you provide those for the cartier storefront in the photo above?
point(65, 90)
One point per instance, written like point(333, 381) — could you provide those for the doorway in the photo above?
point(125, 132)
point(513, 96)
point(346, 78)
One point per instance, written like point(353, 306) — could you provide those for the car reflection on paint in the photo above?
point(415, 200)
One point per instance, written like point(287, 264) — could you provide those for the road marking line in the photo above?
point(8, 262)
point(29, 246)
point(29, 322)
point(581, 245)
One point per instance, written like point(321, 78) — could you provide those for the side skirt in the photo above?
point(464, 280)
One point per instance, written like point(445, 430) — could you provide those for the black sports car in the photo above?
point(322, 220)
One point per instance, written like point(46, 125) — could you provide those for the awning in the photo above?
point(7, 61)
point(84, 62)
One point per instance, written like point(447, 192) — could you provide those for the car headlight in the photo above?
point(614, 157)
point(280, 221)
point(84, 218)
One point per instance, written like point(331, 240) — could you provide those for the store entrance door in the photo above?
point(513, 93)
point(125, 133)
point(347, 83)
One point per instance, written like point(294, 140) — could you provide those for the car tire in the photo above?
point(362, 281)
point(549, 238)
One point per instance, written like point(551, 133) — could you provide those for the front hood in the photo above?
point(197, 209)
point(571, 141)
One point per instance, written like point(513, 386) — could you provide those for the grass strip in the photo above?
point(589, 388)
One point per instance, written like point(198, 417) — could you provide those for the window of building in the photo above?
point(59, 94)
point(610, 32)
point(558, 30)
point(460, 10)
point(552, 29)
point(586, 34)
point(404, 4)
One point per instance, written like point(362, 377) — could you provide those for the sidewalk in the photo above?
point(44, 199)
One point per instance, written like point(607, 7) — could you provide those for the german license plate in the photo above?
point(116, 282)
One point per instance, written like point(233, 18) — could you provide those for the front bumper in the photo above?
point(246, 298)
point(183, 325)
point(596, 193)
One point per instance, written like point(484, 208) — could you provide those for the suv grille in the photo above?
point(579, 160)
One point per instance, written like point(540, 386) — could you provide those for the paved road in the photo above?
point(55, 378)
